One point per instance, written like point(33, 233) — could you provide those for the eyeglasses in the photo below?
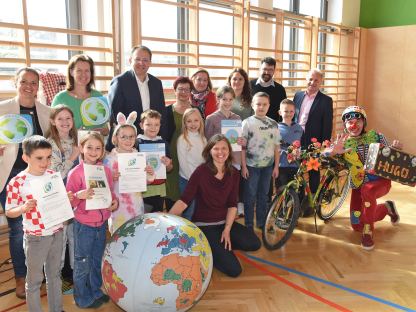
point(352, 115)
point(183, 90)
point(127, 137)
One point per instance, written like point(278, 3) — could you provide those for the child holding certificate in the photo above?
point(124, 139)
point(89, 225)
point(191, 143)
point(156, 191)
point(43, 245)
point(225, 100)
point(63, 137)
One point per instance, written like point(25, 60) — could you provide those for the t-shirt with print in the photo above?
point(262, 135)
point(19, 192)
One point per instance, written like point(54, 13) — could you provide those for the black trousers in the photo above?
point(241, 239)
point(156, 202)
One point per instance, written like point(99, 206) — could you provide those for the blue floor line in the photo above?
point(389, 303)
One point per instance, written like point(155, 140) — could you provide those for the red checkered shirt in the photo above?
point(52, 83)
point(18, 192)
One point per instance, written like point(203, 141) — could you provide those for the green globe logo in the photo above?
point(94, 111)
point(153, 161)
point(14, 128)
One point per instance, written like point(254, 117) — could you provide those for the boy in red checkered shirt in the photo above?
point(43, 246)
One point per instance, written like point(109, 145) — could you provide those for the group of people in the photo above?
point(206, 179)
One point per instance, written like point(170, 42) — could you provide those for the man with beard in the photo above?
point(265, 83)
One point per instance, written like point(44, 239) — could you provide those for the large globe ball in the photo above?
point(157, 262)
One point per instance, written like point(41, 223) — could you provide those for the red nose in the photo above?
point(353, 125)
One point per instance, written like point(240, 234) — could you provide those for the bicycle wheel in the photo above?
point(333, 195)
point(281, 219)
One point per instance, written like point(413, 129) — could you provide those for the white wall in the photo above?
point(345, 12)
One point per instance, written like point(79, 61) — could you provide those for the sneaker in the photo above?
point(104, 298)
point(240, 209)
point(20, 287)
point(96, 304)
point(367, 242)
point(392, 212)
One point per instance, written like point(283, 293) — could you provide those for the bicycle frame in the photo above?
point(299, 182)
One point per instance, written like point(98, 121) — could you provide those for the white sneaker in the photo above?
point(240, 209)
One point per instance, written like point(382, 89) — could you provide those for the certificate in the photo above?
point(52, 199)
point(96, 179)
point(15, 128)
point(133, 177)
point(232, 130)
point(154, 153)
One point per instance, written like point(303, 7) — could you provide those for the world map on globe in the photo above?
point(157, 261)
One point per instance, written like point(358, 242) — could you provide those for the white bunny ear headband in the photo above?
point(122, 120)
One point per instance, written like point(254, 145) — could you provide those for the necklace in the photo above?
point(80, 97)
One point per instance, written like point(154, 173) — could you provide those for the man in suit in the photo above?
point(265, 83)
point(136, 90)
point(314, 110)
point(314, 113)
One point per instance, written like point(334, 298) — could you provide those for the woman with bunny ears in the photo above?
point(124, 139)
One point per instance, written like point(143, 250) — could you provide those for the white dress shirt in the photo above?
point(144, 92)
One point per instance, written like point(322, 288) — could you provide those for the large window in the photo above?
point(183, 35)
point(51, 33)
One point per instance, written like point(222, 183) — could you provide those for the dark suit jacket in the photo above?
point(319, 124)
point(124, 96)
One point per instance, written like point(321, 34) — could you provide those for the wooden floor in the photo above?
point(324, 271)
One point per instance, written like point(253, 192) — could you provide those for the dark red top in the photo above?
point(212, 197)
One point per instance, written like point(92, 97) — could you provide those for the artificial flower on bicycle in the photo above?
point(307, 159)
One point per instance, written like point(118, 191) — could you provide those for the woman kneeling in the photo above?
point(214, 187)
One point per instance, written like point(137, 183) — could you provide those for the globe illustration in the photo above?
point(157, 262)
point(232, 136)
point(94, 111)
point(14, 128)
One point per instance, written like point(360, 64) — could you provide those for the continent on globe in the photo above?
point(176, 239)
point(185, 272)
point(113, 284)
point(128, 229)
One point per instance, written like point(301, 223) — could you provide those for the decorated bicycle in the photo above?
point(286, 205)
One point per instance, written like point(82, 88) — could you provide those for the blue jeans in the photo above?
point(89, 249)
point(15, 235)
point(189, 212)
point(256, 189)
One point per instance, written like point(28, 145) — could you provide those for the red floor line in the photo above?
point(18, 305)
point(290, 284)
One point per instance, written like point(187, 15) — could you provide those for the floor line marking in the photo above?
point(293, 285)
point(360, 293)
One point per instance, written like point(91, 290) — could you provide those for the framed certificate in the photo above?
point(132, 168)
point(96, 179)
point(52, 199)
point(232, 130)
point(154, 153)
